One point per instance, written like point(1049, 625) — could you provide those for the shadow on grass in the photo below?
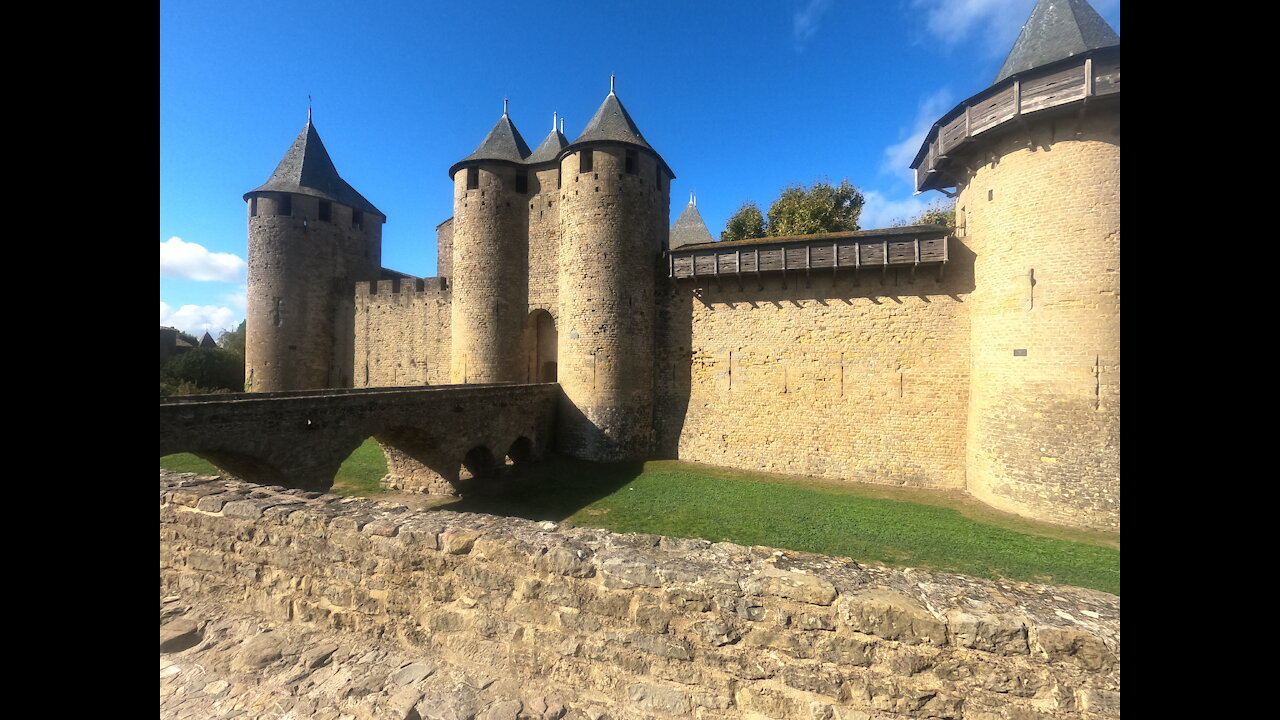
point(552, 489)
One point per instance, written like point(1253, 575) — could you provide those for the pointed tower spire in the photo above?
point(551, 146)
point(1057, 29)
point(306, 169)
point(689, 228)
point(612, 122)
point(503, 143)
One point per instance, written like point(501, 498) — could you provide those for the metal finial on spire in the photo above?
point(308, 107)
point(611, 78)
point(555, 120)
point(504, 106)
point(692, 200)
point(561, 126)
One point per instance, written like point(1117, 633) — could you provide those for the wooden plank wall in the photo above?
point(1025, 95)
point(805, 256)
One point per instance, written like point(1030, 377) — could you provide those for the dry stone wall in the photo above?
point(402, 333)
point(599, 625)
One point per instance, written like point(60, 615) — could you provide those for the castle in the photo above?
point(983, 359)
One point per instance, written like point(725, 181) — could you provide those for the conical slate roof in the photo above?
point(1057, 29)
point(503, 143)
point(306, 169)
point(549, 149)
point(689, 228)
point(611, 122)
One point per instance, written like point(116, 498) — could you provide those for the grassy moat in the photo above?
point(899, 527)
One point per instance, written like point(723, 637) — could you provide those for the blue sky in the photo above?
point(740, 98)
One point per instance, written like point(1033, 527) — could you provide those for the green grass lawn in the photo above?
point(358, 475)
point(870, 524)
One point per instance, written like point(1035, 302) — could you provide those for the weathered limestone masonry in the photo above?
point(491, 276)
point(1045, 223)
point(613, 230)
point(863, 377)
point(620, 626)
point(402, 332)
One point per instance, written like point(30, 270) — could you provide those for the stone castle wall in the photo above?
point(402, 333)
point(1044, 418)
point(544, 240)
point(300, 270)
point(638, 626)
point(861, 378)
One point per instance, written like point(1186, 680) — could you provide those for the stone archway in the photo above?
point(541, 347)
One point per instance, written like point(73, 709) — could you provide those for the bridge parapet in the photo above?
point(299, 439)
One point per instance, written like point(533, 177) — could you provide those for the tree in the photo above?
point(747, 222)
point(943, 213)
point(202, 370)
point(233, 340)
point(821, 208)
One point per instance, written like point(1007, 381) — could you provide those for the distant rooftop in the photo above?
point(689, 228)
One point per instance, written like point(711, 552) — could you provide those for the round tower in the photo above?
point(490, 259)
point(311, 238)
point(613, 229)
point(1036, 162)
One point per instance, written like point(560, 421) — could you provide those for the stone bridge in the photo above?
point(433, 436)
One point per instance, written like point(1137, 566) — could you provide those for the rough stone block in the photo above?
point(892, 616)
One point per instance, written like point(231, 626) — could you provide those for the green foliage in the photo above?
point(821, 208)
point(189, 338)
point(747, 222)
point(233, 340)
point(942, 213)
point(201, 371)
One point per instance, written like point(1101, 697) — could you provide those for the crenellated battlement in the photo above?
point(403, 288)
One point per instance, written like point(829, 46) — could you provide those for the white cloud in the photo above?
point(196, 319)
point(238, 299)
point(994, 22)
point(805, 21)
point(898, 157)
point(879, 211)
point(192, 261)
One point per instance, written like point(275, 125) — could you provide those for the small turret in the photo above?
point(311, 236)
point(490, 258)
